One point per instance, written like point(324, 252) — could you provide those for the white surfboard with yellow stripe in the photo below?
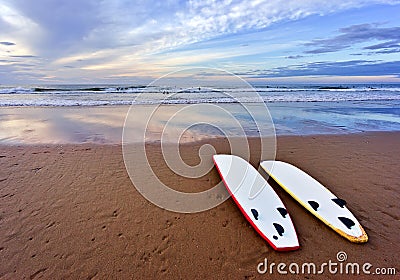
point(317, 199)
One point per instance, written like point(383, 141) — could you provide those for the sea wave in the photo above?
point(140, 89)
point(125, 95)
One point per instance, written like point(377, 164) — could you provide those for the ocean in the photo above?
point(103, 95)
point(97, 113)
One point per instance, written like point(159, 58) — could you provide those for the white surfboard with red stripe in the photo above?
point(258, 202)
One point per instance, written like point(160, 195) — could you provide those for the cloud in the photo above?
point(23, 56)
point(356, 34)
point(69, 27)
point(59, 24)
point(386, 47)
point(200, 20)
point(294, 56)
point(324, 68)
point(7, 43)
point(99, 38)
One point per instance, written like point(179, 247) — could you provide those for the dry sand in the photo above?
point(71, 211)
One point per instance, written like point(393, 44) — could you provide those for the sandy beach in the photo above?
point(111, 112)
point(71, 211)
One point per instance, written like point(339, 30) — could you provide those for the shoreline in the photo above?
point(201, 140)
point(71, 211)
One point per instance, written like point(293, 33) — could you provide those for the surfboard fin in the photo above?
point(347, 222)
point(255, 213)
point(313, 204)
point(282, 211)
point(340, 202)
point(279, 228)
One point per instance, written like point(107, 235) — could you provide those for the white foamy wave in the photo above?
point(266, 99)
point(65, 103)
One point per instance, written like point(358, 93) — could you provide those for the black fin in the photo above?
point(282, 211)
point(255, 213)
point(313, 204)
point(339, 202)
point(279, 228)
point(347, 222)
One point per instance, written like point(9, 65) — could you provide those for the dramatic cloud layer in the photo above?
point(101, 41)
point(344, 68)
point(359, 34)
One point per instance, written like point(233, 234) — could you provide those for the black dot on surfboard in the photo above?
point(340, 202)
point(255, 213)
point(313, 204)
point(282, 211)
point(275, 237)
point(279, 228)
point(347, 222)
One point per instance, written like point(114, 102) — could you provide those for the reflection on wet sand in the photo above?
point(61, 125)
point(183, 123)
point(104, 124)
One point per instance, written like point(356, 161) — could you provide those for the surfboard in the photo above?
point(317, 199)
point(257, 201)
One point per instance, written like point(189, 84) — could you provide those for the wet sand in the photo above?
point(71, 211)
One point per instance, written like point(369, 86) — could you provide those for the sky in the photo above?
point(128, 41)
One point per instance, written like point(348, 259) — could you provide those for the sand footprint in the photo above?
point(38, 273)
